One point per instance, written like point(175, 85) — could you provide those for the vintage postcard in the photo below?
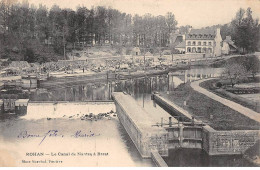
point(129, 83)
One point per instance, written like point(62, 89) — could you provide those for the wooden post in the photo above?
point(170, 121)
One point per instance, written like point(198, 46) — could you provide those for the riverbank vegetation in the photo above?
point(241, 70)
point(217, 115)
point(232, 93)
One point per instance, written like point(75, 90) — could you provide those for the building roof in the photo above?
point(181, 45)
point(202, 31)
point(21, 102)
point(230, 42)
point(136, 49)
point(201, 34)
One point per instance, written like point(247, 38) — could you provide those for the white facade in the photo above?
point(218, 40)
point(208, 43)
point(225, 48)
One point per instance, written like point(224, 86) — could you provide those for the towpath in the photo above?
point(235, 106)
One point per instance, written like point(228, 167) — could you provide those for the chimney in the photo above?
point(189, 29)
point(218, 31)
point(228, 38)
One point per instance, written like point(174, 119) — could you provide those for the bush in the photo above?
point(219, 84)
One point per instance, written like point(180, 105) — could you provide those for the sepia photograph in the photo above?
point(129, 83)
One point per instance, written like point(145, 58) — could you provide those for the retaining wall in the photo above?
point(213, 142)
point(228, 142)
point(138, 125)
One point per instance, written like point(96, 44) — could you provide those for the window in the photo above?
point(199, 43)
point(193, 43)
point(204, 43)
point(210, 43)
point(189, 43)
point(189, 49)
point(194, 50)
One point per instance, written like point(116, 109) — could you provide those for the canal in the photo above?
point(113, 139)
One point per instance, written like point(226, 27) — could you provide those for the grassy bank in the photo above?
point(210, 85)
point(218, 116)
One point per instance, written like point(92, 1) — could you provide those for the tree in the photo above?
point(251, 65)
point(234, 72)
point(246, 30)
point(171, 23)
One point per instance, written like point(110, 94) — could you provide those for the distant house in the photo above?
point(48, 41)
point(136, 51)
point(175, 39)
point(228, 46)
point(148, 54)
point(205, 41)
point(87, 39)
point(166, 52)
point(181, 47)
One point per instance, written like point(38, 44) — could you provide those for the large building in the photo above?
point(204, 41)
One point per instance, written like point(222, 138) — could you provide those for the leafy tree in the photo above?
point(234, 72)
point(246, 30)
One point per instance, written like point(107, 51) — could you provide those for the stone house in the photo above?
point(228, 46)
point(204, 41)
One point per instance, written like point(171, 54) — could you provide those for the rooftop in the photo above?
point(201, 34)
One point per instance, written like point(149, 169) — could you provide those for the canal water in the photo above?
point(111, 137)
point(109, 140)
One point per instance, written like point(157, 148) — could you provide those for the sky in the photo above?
point(197, 13)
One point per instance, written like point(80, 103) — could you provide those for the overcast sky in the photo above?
point(197, 13)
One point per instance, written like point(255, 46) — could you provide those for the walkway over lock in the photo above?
point(139, 126)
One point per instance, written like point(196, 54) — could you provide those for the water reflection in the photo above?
point(103, 90)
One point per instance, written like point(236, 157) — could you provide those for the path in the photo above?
point(235, 106)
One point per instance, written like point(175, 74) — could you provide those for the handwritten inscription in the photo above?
point(56, 134)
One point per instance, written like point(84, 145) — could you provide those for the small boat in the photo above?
point(114, 115)
point(48, 118)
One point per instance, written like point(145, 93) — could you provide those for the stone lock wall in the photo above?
point(136, 122)
point(228, 142)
